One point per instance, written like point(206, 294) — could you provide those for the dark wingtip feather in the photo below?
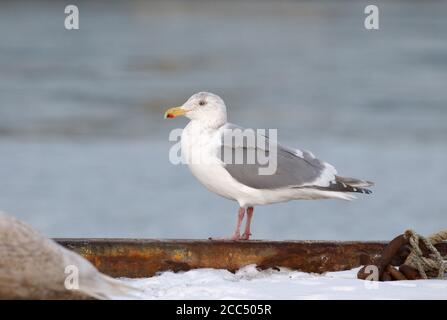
point(342, 187)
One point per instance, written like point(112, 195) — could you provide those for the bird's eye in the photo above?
point(202, 102)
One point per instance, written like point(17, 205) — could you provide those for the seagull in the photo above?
point(35, 267)
point(208, 148)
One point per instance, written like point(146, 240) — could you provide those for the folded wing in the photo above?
point(294, 168)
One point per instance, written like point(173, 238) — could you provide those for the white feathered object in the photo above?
point(34, 267)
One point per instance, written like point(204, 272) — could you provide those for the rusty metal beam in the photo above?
point(135, 258)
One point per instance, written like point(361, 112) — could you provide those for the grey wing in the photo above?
point(294, 168)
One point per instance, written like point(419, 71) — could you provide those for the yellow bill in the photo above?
point(174, 112)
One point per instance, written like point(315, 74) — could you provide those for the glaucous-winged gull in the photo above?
point(211, 148)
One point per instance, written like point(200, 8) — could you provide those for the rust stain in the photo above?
point(135, 258)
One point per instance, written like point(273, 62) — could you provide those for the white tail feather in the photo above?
point(357, 183)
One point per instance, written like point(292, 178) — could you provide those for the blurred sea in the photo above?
point(84, 147)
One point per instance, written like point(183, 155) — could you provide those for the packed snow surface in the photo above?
point(251, 283)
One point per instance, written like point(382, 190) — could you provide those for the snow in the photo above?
point(251, 283)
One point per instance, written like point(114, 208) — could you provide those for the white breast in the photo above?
point(200, 147)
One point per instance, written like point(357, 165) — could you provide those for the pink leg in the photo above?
point(247, 232)
point(237, 233)
point(240, 217)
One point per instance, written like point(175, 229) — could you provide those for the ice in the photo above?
point(252, 283)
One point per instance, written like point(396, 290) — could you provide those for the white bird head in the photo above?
point(202, 106)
